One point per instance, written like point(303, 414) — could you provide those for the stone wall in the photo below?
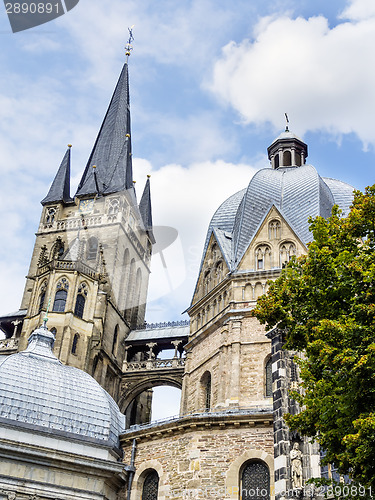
point(200, 458)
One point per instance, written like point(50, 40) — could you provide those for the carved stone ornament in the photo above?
point(296, 461)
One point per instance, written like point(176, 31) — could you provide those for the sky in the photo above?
point(210, 81)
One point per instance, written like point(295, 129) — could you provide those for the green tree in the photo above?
point(325, 302)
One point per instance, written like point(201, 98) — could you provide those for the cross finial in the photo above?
point(128, 46)
point(287, 122)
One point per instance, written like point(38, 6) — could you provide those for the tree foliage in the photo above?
point(325, 302)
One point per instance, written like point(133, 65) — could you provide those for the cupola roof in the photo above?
point(38, 392)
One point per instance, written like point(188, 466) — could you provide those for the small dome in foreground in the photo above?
point(40, 393)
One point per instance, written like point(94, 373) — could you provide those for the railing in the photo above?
point(203, 413)
point(9, 344)
point(165, 324)
point(153, 364)
point(68, 265)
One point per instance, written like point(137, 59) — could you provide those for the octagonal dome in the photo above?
point(295, 189)
point(38, 392)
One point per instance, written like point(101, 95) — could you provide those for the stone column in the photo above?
point(125, 363)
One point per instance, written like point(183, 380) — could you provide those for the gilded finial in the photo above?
point(128, 46)
point(94, 166)
point(148, 176)
point(69, 145)
point(127, 135)
point(134, 182)
point(287, 123)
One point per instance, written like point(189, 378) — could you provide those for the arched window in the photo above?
point(255, 481)
point(61, 295)
point(50, 215)
point(114, 343)
point(74, 343)
point(274, 230)
point(57, 250)
point(92, 248)
point(206, 389)
point(151, 486)
point(268, 374)
point(42, 296)
point(219, 272)
point(113, 206)
point(80, 301)
point(287, 159)
point(262, 257)
point(287, 250)
point(206, 282)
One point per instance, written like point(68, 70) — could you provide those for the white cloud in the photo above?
point(185, 199)
point(321, 76)
point(359, 10)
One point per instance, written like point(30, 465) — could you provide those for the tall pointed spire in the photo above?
point(145, 209)
point(112, 154)
point(60, 187)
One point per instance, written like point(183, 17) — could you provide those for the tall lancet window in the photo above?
point(61, 295)
point(206, 390)
point(255, 481)
point(151, 486)
point(80, 300)
point(42, 296)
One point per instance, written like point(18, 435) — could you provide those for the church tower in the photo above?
point(91, 260)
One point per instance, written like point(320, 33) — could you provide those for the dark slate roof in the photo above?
point(163, 333)
point(38, 392)
point(60, 188)
point(112, 154)
point(145, 210)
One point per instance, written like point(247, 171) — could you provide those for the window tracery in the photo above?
point(61, 295)
point(50, 215)
point(274, 229)
point(287, 250)
point(262, 257)
point(113, 206)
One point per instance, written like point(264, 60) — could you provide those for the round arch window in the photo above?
point(255, 481)
point(151, 486)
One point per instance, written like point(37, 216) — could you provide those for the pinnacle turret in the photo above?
point(145, 209)
point(60, 187)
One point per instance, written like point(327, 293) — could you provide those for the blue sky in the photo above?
point(210, 82)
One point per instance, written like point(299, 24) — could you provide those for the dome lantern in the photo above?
point(287, 150)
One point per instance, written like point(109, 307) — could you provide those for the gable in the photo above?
point(273, 244)
point(213, 269)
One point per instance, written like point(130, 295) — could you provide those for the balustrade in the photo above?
point(9, 344)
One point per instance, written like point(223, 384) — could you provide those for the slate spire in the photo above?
point(60, 187)
point(111, 155)
point(145, 209)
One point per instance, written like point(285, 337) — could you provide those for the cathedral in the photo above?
point(79, 362)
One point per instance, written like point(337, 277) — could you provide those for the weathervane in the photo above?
point(287, 123)
point(128, 46)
